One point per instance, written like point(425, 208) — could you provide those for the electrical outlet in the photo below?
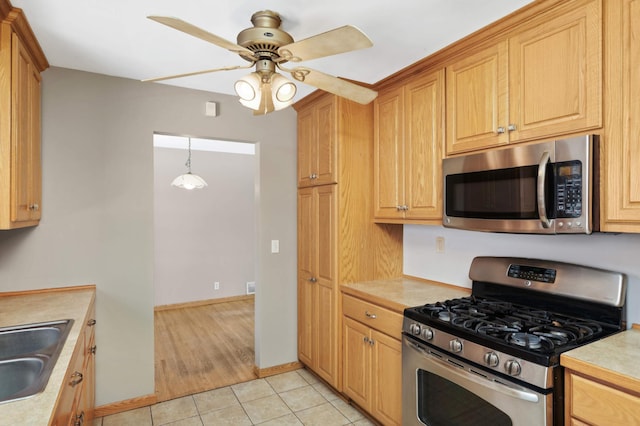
point(439, 244)
point(216, 285)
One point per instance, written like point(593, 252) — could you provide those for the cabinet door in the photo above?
point(386, 373)
point(555, 69)
point(307, 249)
point(477, 100)
point(357, 358)
point(326, 301)
point(317, 145)
point(620, 190)
point(423, 118)
point(388, 116)
point(25, 136)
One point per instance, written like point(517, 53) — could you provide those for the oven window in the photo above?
point(443, 403)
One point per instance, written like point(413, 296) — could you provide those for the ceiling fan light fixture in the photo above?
point(248, 87)
point(283, 89)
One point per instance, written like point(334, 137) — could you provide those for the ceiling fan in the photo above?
point(268, 48)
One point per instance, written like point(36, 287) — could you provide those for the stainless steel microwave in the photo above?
point(540, 188)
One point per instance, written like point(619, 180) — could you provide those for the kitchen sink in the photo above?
point(28, 354)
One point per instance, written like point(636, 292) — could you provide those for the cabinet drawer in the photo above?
point(374, 316)
point(601, 405)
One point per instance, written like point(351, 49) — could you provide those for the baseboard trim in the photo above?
point(277, 369)
point(126, 405)
point(197, 303)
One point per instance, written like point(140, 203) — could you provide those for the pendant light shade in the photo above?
point(188, 180)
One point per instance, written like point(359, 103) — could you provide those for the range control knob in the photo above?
point(414, 329)
point(455, 345)
point(512, 367)
point(427, 333)
point(491, 359)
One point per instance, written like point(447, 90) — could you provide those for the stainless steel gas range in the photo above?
point(493, 358)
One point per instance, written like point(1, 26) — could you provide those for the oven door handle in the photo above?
point(542, 201)
point(451, 370)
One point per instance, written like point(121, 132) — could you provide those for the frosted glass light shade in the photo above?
point(189, 181)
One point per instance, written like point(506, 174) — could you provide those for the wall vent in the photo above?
point(251, 287)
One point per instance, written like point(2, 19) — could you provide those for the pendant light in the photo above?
point(188, 180)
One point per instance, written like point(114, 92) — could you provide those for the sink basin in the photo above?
point(28, 354)
point(20, 377)
point(30, 340)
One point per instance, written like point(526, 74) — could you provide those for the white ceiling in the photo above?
point(115, 38)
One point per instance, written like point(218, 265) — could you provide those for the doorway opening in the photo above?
point(205, 262)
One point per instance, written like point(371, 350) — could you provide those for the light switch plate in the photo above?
point(275, 246)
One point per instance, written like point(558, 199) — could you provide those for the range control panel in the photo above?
point(532, 273)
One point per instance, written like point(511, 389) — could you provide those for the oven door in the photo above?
point(442, 391)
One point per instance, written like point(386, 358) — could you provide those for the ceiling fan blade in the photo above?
point(339, 40)
point(188, 74)
point(190, 29)
point(335, 85)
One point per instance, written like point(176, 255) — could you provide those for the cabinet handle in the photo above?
point(79, 419)
point(369, 315)
point(500, 130)
point(313, 279)
point(402, 208)
point(34, 207)
point(73, 382)
point(511, 127)
point(91, 322)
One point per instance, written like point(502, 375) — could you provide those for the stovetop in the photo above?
point(527, 332)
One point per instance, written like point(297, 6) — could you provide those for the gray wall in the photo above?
point(207, 235)
point(617, 252)
point(97, 224)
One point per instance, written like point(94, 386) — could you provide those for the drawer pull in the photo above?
point(76, 379)
point(370, 315)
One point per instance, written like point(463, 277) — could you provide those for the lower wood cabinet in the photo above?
point(598, 403)
point(372, 359)
point(75, 406)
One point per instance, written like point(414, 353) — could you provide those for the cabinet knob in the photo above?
point(34, 207)
point(313, 279)
point(91, 322)
point(79, 419)
point(313, 176)
point(76, 379)
point(370, 315)
point(511, 127)
point(92, 349)
point(500, 130)
point(365, 339)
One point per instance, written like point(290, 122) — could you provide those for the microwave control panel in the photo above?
point(568, 184)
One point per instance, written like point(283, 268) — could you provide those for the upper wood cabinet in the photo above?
point(317, 134)
point(620, 147)
point(21, 61)
point(543, 80)
point(408, 129)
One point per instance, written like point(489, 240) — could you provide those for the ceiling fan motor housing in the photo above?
point(265, 37)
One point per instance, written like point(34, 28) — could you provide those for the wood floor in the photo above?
point(203, 347)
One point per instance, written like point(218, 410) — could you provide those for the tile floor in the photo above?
point(293, 398)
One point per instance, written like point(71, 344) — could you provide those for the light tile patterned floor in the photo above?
point(293, 398)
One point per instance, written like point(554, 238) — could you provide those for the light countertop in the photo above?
point(613, 359)
point(400, 293)
point(41, 306)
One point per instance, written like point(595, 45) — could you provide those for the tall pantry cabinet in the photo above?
point(337, 239)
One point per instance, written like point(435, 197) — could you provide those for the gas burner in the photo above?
point(446, 315)
point(529, 341)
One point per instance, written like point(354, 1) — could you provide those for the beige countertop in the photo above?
point(41, 306)
point(613, 359)
point(399, 293)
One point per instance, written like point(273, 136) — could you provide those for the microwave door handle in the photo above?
point(542, 201)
